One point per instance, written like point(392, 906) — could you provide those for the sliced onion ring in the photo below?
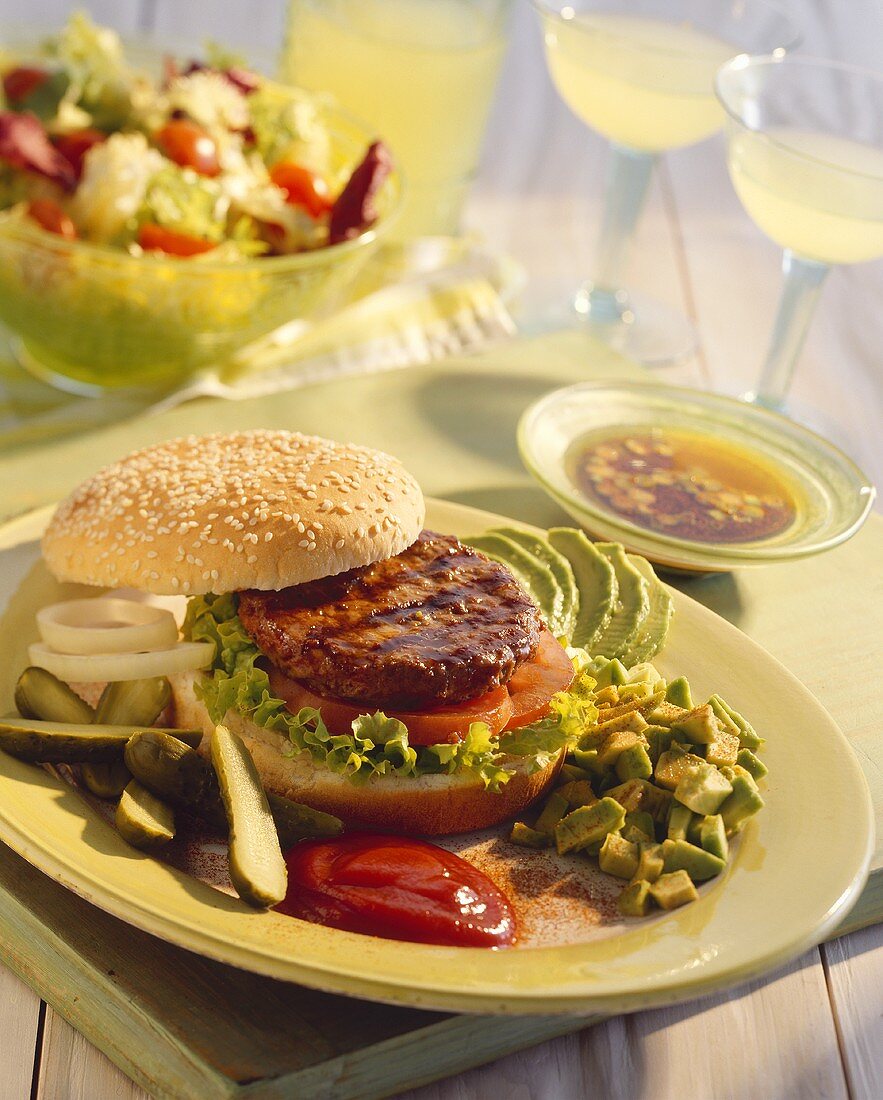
point(87, 667)
point(105, 624)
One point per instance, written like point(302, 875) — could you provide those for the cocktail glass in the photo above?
point(805, 154)
point(645, 80)
point(423, 72)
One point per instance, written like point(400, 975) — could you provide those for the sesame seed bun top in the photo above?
point(221, 513)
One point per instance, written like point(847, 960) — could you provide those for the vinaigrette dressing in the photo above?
point(682, 483)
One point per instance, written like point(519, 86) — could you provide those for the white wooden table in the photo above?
point(816, 1028)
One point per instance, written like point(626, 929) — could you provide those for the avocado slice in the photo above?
point(534, 576)
point(633, 604)
point(618, 856)
point(673, 890)
point(596, 581)
point(678, 693)
point(635, 900)
point(561, 569)
point(703, 790)
point(654, 629)
point(588, 825)
point(681, 855)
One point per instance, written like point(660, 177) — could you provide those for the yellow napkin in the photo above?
point(414, 304)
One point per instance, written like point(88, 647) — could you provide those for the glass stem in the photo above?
point(803, 281)
point(628, 174)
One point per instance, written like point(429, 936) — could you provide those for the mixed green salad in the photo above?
point(209, 160)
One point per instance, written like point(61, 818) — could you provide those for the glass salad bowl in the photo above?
point(92, 317)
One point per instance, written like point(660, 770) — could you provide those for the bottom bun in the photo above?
point(426, 805)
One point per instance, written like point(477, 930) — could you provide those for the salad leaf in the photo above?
point(185, 202)
point(286, 126)
point(210, 100)
point(100, 81)
point(116, 175)
point(378, 744)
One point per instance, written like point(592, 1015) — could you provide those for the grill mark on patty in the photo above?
point(437, 624)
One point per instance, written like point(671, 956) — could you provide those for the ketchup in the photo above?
point(398, 889)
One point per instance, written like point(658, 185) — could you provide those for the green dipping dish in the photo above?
point(829, 496)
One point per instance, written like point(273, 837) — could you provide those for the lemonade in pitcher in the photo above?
point(421, 71)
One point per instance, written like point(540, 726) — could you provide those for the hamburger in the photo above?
point(379, 671)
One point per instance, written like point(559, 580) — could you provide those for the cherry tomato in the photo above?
point(19, 83)
point(302, 188)
point(74, 146)
point(154, 238)
point(441, 725)
point(399, 889)
point(533, 683)
point(189, 145)
point(52, 218)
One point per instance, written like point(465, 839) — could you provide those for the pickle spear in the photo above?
point(180, 776)
point(257, 868)
point(133, 702)
point(142, 819)
point(69, 743)
point(106, 779)
point(39, 694)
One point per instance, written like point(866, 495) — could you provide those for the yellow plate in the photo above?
point(800, 864)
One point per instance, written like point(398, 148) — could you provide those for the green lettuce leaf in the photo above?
point(378, 744)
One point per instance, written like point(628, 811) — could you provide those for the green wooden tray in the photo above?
point(185, 1027)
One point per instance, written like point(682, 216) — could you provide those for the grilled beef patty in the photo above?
point(437, 624)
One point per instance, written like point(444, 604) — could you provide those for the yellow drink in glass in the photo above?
point(422, 72)
point(644, 83)
point(817, 194)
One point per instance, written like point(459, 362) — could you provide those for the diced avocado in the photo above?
point(612, 674)
point(607, 696)
point(529, 838)
point(639, 827)
point(572, 773)
point(578, 793)
point(659, 739)
point(752, 764)
point(632, 606)
point(596, 581)
point(587, 760)
point(534, 576)
point(681, 855)
point(630, 720)
point(723, 751)
point(618, 857)
point(142, 819)
point(615, 744)
point(744, 802)
point(710, 833)
point(634, 763)
point(635, 900)
point(650, 862)
point(639, 794)
point(588, 825)
point(679, 819)
point(254, 856)
point(703, 789)
point(664, 714)
point(748, 738)
point(556, 806)
point(698, 726)
point(673, 890)
point(673, 765)
point(678, 693)
point(561, 569)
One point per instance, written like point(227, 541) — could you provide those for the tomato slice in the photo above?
point(533, 684)
point(75, 145)
point(189, 145)
point(154, 238)
point(51, 217)
point(442, 725)
point(302, 187)
point(19, 83)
